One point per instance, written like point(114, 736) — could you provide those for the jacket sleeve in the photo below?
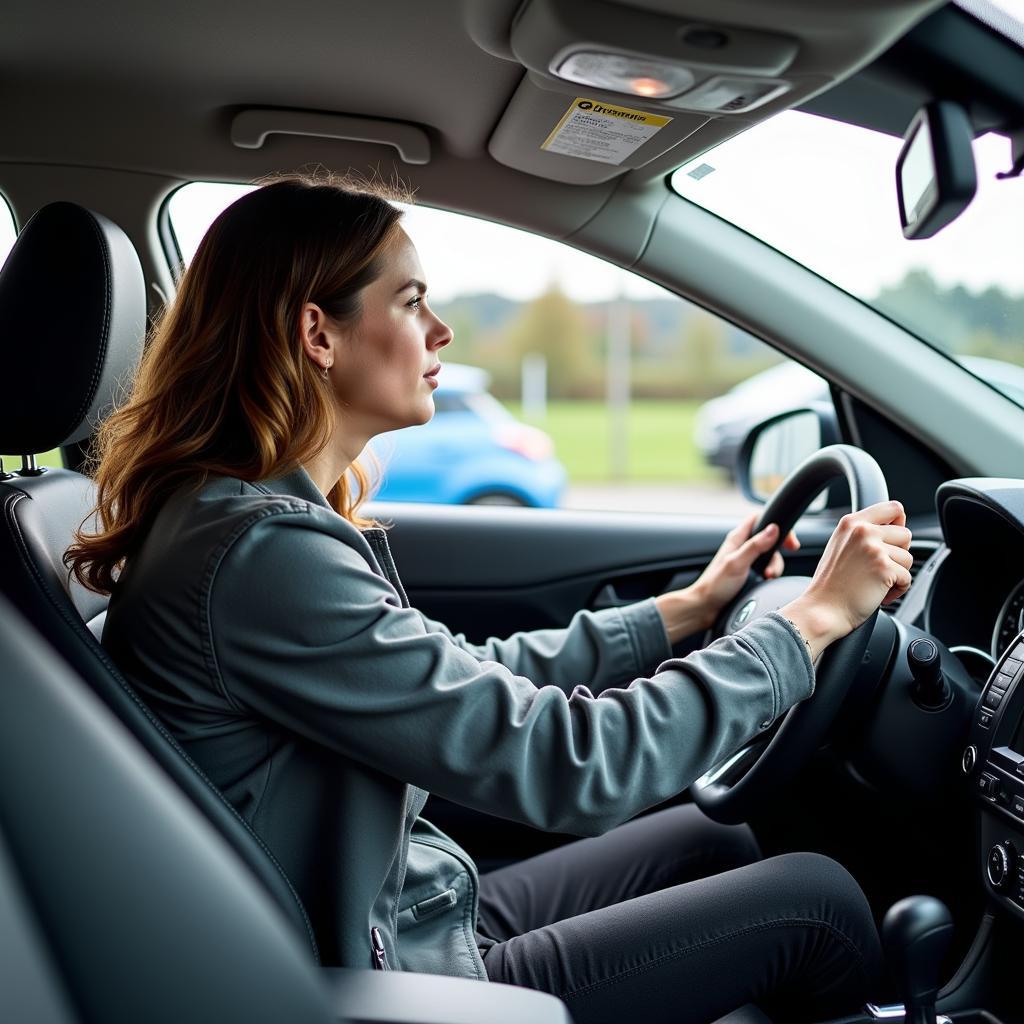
point(301, 631)
point(597, 649)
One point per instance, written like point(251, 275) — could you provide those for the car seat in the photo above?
point(72, 327)
point(120, 903)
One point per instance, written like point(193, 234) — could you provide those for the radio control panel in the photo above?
point(993, 761)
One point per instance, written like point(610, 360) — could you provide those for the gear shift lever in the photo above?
point(916, 933)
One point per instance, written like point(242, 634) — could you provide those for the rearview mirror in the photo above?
point(935, 174)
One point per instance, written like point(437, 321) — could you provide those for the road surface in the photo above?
point(710, 499)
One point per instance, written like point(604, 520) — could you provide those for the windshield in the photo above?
point(823, 192)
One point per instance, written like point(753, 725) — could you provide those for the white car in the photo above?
point(722, 423)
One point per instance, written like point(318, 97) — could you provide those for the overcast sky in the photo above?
point(824, 192)
point(459, 254)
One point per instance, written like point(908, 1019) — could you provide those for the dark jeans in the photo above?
point(628, 927)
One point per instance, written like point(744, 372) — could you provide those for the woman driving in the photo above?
point(262, 617)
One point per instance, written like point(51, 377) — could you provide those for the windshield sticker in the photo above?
point(701, 172)
point(602, 131)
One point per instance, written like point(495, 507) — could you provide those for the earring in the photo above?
point(324, 369)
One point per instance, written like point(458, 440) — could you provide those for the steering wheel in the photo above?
point(734, 788)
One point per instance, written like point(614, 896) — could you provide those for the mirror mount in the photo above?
point(1017, 169)
point(935, 173)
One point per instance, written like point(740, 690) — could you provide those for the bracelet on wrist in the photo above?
point(796, 629)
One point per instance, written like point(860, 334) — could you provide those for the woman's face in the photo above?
point(385, 366)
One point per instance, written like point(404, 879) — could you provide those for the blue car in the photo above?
point(473, 451)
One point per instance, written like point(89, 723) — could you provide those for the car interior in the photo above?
point(130, 888)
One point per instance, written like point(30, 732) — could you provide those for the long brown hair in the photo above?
point(224, 386)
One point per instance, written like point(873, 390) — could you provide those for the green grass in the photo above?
point(51, 458)
point(660, 440)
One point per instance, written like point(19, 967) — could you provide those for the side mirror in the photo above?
point(935, 174)
point(777, 445)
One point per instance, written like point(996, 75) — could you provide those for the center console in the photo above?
point(994, 762)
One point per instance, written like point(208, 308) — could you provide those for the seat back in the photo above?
point(97, 335)
point(119, 902)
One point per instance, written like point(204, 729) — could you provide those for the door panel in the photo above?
point(461, 548)
point(493, 571)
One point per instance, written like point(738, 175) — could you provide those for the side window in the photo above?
point(8, 234)
point(582, 385)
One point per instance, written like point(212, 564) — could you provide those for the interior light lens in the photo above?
point(616, 72)
point(649, 87)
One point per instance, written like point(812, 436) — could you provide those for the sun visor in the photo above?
point(611, 87)
point(583, 137)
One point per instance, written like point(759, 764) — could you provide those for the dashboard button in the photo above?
point(1018, 806)
point(1003, 681)
point(970, 759)
point(984, 718)
point(1011, 666)
point(1000, 863)
point(1018, 652)
point(993, 698)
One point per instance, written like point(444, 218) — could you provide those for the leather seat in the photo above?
point(118, 901)
point(72, 326)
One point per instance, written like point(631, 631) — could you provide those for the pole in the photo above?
point(534, 386)
point(617, 386)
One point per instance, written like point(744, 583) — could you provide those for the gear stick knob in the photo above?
point(931, 690)
point(916, 934)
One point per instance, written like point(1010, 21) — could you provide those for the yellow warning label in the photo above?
point(594, 130)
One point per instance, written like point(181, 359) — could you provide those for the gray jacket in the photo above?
point(276, 641)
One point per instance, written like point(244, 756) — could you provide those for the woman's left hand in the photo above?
point(725, 575)
point(699, 605)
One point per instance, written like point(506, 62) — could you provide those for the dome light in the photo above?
point(617, 72)
point(649, 87)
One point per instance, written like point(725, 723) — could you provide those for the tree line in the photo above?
point(679, 350)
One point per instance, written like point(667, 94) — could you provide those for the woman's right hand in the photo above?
point(866, 563)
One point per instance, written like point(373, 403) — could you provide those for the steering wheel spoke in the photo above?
point(727, 772)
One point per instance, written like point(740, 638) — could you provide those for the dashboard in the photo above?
point(974, 582)
point(972, 600)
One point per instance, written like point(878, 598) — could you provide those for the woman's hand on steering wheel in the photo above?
point(729, 570)
point(866, 563)
point(699, 605)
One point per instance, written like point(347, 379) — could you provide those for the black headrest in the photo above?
point(72, 326)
